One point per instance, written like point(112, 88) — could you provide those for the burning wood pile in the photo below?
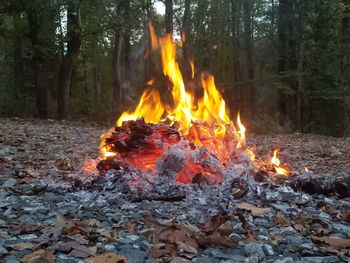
point(192, 139)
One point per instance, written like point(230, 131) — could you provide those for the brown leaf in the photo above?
point(216, 239)
point(21, 246)
point(256, 211)
point(94, 222)
point(280, 219)
point(334, 242)
point(107, 258)
point(215, 221)
point(80, 251)
point(39, 256)
point(162, 249)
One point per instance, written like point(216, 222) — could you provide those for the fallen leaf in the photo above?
point(39, 256)
point(107, 258)
point(21, 246)
point(334, 242)
point(215, 221)
point(256, 211)
point(94, 223)
point(280, 219)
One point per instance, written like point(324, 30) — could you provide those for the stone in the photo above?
point(268, 250)
point(254, 249)
point(285, 260)
point(11, 182)
point(133, 255)
point(329, 259)
point(10, 259)
point(3, 250)
point(207, 260)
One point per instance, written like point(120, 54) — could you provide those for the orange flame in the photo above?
point(276, 163)
point(218, 134)
point(154, 39)
point(192, 68)
point(241, 143)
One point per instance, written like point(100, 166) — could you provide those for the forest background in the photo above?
point(285, 64)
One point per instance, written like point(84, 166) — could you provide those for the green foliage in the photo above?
point(217, 45)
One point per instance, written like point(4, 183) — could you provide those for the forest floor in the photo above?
point(47, 214)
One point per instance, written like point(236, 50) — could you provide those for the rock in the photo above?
point(329, 259)
point(254, 249)
point(207, 260)
point(3, 250)
point(11, 182)
point(288, 230)
point(133, 255)
point(10, 259)
point(341, 228)
point(268, 250)
point(226, 254)
point(285, 260)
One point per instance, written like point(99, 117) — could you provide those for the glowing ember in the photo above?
point(276, 163)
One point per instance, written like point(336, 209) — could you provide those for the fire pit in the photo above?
point(190, 140)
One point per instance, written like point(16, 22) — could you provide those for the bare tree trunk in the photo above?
point(346, 64)
point(169, 16)
point(74, 33)
point(19, 69)
point(248, 39)
point(300, 89)
point(282, 31)
point(237, 75)
point(118, 41)
point(186, 30)
point(38, 65)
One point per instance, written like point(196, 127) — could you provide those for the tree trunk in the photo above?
point(74, 33)
point(118, 41)
point(248, 39)
point(186, 30)
point(169, 16)
point(38, 65)
point(19, 69)
point(300, 89)
point(346, 64)
point(237, 76)
point(282, 60)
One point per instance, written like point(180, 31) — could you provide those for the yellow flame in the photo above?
point(149, 107)
point(276, 163)
point(154, 39)
point(219, 134)
point(192, 68)
point(241, 143)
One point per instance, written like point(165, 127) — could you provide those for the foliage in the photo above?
point(217, 39)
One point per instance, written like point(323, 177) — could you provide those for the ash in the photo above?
point(52, 207)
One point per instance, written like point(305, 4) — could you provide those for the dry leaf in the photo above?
point(215, 221)
point(256, 211)
point(334, 242)
point(39, 256)
point(21, 246)
point(107, 258)
point(94, 223)
point(280, 219)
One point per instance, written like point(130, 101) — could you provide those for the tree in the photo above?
point(74, 36)
point(248, 41)
point(169, 13)
point(346, 63)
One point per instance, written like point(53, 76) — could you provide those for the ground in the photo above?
point(48, 214)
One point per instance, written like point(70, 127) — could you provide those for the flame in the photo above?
point(276, 163)
point(241, 143)
point(192, 68)
point(149, 108)
point(215, 131)
point(154, 39)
